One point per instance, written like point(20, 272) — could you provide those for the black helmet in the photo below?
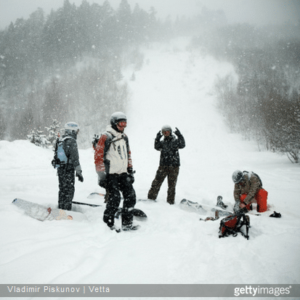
point(237, 176)
point(116, 118)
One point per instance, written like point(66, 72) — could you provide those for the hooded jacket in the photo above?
point(112, 154)
point(71, 150)
point(252, 185)
point(169, 147)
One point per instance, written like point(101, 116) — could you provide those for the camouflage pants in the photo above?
point(161, 174)
point(66, 179)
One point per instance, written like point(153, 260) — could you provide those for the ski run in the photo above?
point(176, 87)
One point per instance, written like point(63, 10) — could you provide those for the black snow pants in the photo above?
point(117, 183)
point(66, 179)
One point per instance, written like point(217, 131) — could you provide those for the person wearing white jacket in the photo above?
point(115, 173)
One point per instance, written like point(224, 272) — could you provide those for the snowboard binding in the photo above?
point(220, 202)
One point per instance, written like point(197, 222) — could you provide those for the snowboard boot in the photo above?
point(130, 227)
point(220, 202)
point(114, 228)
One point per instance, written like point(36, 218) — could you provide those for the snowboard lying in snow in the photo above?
point(137, 213)
point(147, 200)
point(220, 209)
point(43, 213)
point(203, 209)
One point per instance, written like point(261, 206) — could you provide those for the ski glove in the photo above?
point(130, 177)
point(159, 135)
point(241, 211)
point(102, 179)
point(95, 141)
point(53, 163)
point(177, 132)
point(79, 175)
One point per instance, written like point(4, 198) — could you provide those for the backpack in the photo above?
point(60, 157)
point(97, 137)
point(246, 172)
point(233, 224)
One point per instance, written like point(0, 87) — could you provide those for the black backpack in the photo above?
point(234, 224)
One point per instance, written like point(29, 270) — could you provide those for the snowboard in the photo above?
point(43, 213)
point(92, 195)
point(94, 200)
point(88, 204)
point(118, 219)
point(137, 213)
point(147, 200)
point(203, 209)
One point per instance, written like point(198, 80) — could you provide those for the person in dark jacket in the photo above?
point(68, 167)
point(169, 162)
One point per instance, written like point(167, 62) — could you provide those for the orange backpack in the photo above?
point(234, 224)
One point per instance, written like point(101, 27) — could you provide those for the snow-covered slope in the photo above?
point(174, 87)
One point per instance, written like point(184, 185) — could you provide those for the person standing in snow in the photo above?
point(115, 173)
point(247, 190)
point(169, 162)
point(66, 169)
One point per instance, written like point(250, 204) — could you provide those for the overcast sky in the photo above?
point(258, 12)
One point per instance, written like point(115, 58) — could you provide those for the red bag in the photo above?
point(261, 198)
point(233, 224)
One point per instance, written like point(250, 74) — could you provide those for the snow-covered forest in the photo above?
point(231, 89)
point(68, 66)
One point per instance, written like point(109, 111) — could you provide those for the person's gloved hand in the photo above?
point(102, 179)
point(53, 163)
point(241, 211)
point(177, 132)
point(159, 135)
point(79, 175)
point(130, 177)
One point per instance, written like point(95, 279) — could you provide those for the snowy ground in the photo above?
point(174, 87)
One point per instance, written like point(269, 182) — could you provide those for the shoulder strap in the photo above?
point(127, 144)
point(55, 150)
point(246, 172)
point(258, 179)
point(61, 140)
point(66, 137)
point(111, 141)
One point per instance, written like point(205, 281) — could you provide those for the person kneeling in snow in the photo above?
point(247, 190)
point(114, 168)
point(169, 162)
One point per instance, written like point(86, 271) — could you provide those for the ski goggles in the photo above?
point(122, 124)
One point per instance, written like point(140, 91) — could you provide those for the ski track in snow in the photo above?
point(175, 87)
